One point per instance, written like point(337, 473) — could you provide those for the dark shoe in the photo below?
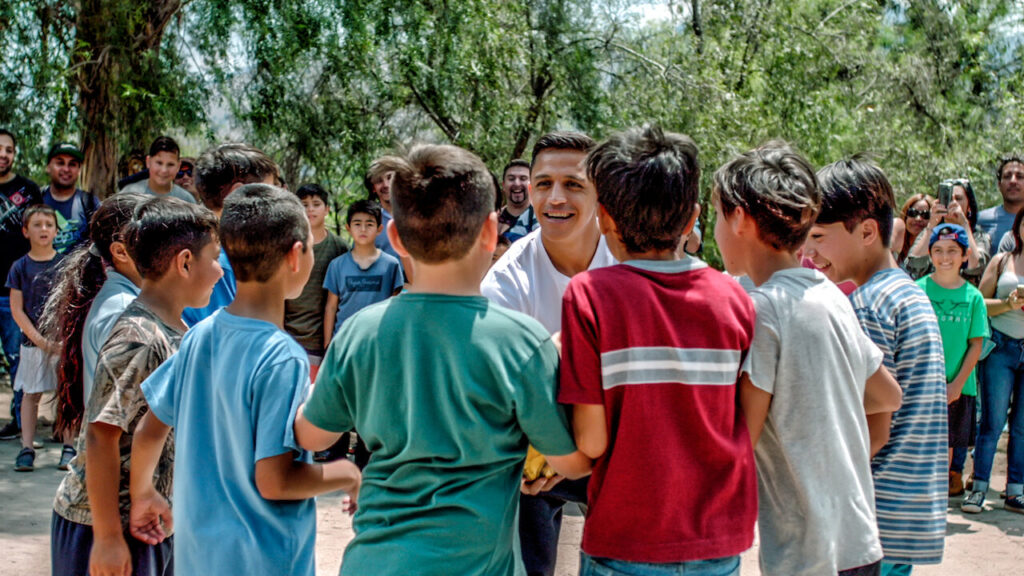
point(10, 431)
point(1015, 504)
point(25, 462)
point(973, 503)
point(956, 484)
point(65, 457)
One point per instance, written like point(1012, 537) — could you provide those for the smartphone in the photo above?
point(945, 193)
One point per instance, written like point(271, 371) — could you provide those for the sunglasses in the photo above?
point(914, 213)
point(184, 171)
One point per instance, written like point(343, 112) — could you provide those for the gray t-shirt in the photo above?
point(816, 498)
point(142, 187)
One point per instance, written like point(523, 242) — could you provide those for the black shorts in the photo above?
point(961, 421)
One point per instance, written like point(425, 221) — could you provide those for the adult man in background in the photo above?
point(998, 220)
point(74, 206)
point(517, 218)
point(16, 194)
point(163, 161)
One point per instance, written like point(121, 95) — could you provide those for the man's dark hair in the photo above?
point(562, 141)
point(258, 227)
point(855, 190)
point(514, 163)
point(777, 187)
point(220, 167)
point(37, 209)
point(6, 132)
point(363, 207)
point(647, 180)
point(441, 196)
point(164, 144)
point(163, 227)
point(1009, 159)
point(307, 190)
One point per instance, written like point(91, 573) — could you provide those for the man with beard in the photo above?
point(16, 194)
point(74, 207)
point(998, 220)
point(517, 218)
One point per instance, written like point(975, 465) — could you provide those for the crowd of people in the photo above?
point(824, 387)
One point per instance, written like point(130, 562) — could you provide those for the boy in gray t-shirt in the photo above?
point(813, 388)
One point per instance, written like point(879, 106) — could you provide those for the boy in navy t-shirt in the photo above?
point(364, 276)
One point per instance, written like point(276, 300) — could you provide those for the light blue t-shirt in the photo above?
point(357, 288)
point(114, 296)
point(223, 294)
point(231, 393)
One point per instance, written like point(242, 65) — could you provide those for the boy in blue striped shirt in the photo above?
point(850, 241)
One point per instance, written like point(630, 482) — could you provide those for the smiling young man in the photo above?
point(162, 162)
point(517, 217)
point(531, 278)
point(74, 206)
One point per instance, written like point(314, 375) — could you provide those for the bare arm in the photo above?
point(310, 436)
point(24, 322)
point(755, 404)
point(109, 555)
point(150, 512)
point(882, 393)
point(590, 429)
point(954, 388)
point(330, 314)
point(995, 306)
point(281, 477)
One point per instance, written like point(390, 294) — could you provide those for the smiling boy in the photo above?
point(163, 161)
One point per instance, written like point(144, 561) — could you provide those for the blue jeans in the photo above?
point(1002, 390)
point(959, 459)
point(10, 337)
point(590, 566)
point(540, 522)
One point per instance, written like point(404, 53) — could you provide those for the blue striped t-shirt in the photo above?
point(910, 471)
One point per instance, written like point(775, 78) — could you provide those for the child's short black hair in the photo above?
point(777, 187)
point(258, 227)
point(855, 190)
point(163, 227)
point(164, 144)
point(308, 190)
point(37, 209)
point(441, 196)
point(647, 180)
point(220, 167)
point(363, 207)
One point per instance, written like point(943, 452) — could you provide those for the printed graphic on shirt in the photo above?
point(364, 283)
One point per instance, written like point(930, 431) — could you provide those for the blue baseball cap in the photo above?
point(954, 232)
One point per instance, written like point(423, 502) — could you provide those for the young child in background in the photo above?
point(231, 393)
point(963, 322)
point(174, 247)
point(29, 280)
point(364, 276)
point(651, 349)
point(817, 399)
point(850, 241)
point(474, 383)
point(304, 316)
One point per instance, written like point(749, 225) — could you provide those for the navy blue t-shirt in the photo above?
point(33, 279)
point(72, 218)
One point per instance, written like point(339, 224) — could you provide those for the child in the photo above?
point(364, 276)
point(174, 247)
point(441, 488)
point(94, 285)
point(29, 281)
point(810, 372)
point(304, 316)
point(963, 322)
point(651, 350)
point(243, 494)
point(850, 241)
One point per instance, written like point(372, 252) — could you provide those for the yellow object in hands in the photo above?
point(536, 464)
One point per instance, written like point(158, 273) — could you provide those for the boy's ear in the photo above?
point(294, 256)
point(396, 241)
point(868, 231)
point(605, 222)
point(183, 262)
point(693, 219)
point(489, 233)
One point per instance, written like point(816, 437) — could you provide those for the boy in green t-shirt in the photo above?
point(963, 322)
point(447, 421)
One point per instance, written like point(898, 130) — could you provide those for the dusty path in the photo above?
point(988, 544)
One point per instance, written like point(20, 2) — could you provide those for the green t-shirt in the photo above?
point(446, 391)
point(304, 316)
point(962, 316)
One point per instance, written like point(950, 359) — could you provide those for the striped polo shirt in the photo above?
point(910, 471)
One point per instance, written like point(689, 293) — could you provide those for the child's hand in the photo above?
point(349, 504)
point(110, 557)
point(148, 516)
point(953, 392)
point(541, 484)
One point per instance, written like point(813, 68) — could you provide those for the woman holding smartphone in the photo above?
point(1002, 384)
point(956, 205)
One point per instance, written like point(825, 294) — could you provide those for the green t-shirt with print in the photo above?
point(962, 316)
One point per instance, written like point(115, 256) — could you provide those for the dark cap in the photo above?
point(65, 148)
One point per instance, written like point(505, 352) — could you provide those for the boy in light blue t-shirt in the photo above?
point(447, 421)
point(231, 392)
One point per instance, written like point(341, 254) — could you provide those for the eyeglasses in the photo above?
point(915, 213)
point(184, 171)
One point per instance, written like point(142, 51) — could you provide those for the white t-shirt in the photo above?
point(816, 497)
point(524, 279)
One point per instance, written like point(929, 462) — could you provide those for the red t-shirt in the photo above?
point(660, 345)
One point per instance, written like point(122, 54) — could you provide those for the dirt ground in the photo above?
point(987, 544)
